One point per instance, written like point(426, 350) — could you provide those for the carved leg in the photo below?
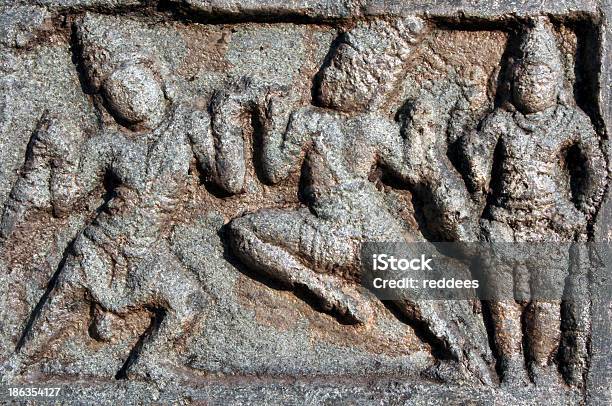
point(543, 325)
point(149, 359)
point(543, 316)
point(102, 272)
point(459, 331)
point(451, 208)
point(58, 308)
point(506, 314)
point(576, 318)
point(507, 334)
point(502, 288)
point(290, 246)
point(177, 301)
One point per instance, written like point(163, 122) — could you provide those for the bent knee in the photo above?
point(252, 225)
point(241, 235)
point(240, 228)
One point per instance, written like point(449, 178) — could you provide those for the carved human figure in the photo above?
point(549, 176)
point(121, 260)
point(341, 140)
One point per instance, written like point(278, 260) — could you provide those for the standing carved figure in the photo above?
point(540, 163)
point(342, 140)
point(121, 260)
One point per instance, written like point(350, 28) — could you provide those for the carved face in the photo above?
point(135, 97)
point(535, 88)
point(346, 84)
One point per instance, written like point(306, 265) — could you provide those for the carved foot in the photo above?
point(344, 302)
point(545, 376)
point(514, 373)
point(152, 369)
point(478, 367)
point(102, 326)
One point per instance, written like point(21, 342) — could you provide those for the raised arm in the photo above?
point(31, 188)
point(285, 135)
point(419, 157)
point(227, 167)
point(477, 149)
point(399, 152)
point(83, 173)
point(54, 174)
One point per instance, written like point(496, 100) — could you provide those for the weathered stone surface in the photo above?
point(185, 185)
point(244, 9)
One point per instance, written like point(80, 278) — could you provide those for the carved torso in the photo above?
point(342, 153)
point(532, 183)
point(151, 171)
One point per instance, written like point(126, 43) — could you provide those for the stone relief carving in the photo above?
point(317, 248)
point(119, 260)
point(533, 199)
point(293, 179)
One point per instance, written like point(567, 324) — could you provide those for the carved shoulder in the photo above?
point(496, 123)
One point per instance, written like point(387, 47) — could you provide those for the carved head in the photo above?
point(134, 96)
point(366, 64)
point(126, 75)
point(537, 75)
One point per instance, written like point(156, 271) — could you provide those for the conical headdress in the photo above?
point(382, 48)
point(106, 45)
point(539, 46)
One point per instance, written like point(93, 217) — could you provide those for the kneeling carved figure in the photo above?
point(317, 248)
